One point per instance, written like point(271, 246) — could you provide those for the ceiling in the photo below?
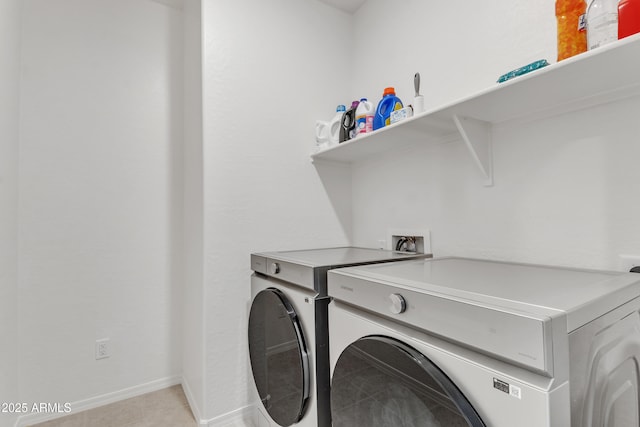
point(349, 6)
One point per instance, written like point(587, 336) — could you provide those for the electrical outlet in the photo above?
point(103, 348)
point(627, 262)
point(409, 240)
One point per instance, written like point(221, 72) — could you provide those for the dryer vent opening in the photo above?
point(412, 240)
point(413, 244)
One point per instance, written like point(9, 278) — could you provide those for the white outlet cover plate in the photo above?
point(103, 349)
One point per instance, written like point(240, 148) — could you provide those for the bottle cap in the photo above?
point(354, 104)
point(363, 100)
point(341, 109)
point(389, 91)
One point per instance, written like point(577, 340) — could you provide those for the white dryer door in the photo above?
point(379, 381)
point(279, 357)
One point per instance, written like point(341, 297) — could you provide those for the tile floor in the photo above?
point(163, 408)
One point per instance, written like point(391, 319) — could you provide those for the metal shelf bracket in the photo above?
point(477, 136)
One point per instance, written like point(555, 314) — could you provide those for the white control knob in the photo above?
point(398, 304)
point(275, 268)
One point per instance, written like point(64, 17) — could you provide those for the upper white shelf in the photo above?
point(602, 75)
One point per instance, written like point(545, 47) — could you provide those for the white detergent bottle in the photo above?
point(334, 126)
point(364, 117)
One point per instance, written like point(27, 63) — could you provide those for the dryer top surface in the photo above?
point(337, 257)
point(582, 295)
point(308, 268)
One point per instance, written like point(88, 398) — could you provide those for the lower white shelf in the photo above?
point(419, 130)
point(599, 76)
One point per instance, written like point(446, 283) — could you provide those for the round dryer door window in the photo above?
point(379, 381)
point(279, 358)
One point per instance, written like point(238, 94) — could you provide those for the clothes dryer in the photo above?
point(463, 342)
point(288, 330)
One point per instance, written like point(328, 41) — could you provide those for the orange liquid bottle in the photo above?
point(572, 32)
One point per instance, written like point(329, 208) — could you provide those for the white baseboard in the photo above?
point(105, 399)
point(242, 417)
point(195, 409)
point(249, 416)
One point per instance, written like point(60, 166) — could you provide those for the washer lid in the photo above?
point(517, 312)
point(582, 295)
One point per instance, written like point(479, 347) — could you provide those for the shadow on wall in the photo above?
point(337, 182)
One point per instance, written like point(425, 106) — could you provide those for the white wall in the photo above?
point(100, 196)
point(565, 188)
point(101, 171)
point(9, 135)
point(270, 70)
point(459, 47)
point(193, 287)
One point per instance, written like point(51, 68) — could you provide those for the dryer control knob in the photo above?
point(398, 304)
point(275, 268)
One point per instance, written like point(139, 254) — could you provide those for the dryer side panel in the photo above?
point(605, 370)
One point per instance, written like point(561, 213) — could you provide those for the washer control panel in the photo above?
point(525, 337)
point(295, 273)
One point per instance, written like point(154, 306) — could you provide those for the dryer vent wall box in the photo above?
point(409, 240)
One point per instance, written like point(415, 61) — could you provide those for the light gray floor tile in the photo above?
point(162, 408)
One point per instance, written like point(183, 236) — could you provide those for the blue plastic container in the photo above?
point(389, 102)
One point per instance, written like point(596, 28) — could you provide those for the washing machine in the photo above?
point(465, 342)
point(288, 331)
